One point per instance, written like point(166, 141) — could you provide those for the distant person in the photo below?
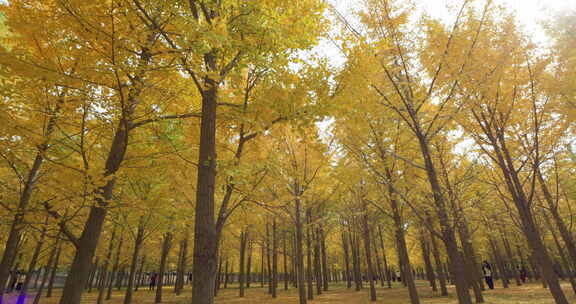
point(153, 277)
point(523, 273)
point(398, 276)
point(20, 280)
point(190, 278)
point(487, 270)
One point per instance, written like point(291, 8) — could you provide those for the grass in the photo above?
point(526, 294)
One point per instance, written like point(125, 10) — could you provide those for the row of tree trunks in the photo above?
point(137, 245)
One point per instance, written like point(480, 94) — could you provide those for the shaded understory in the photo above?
point(528, 293)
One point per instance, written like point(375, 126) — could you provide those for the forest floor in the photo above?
point(526, 294)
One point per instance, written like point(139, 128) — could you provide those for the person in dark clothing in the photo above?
point(152, 281)
point(190, 277)
point(523, 273)
point(487, 270)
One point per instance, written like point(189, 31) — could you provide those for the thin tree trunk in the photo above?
point(473, 269)
point(249, 265)
point(317, 265)
point(14, 234)
point(285, 256)
point(274, 259)
point(408, 277)
point(346, 259)
point(561, 253)
point(33, 261)
point(384, 258)
point(241, 279)
point(425, 246)
point(309, 254)
point(140, 273)
point(510, 258)
point(498, 257)
point(378, 262)
point(54, 270)
point(166, 245)
point(137, 245)
point(355, 260)
point(46, 272)
point(298, 248)
point(368, 252)
point(325, 271)
point(439, 267)
point(114, 272)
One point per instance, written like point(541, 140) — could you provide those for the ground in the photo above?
point(526, 294)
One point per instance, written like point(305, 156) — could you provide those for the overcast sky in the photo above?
point(530, 14)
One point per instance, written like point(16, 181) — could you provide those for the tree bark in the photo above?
point(23, 291)
point(14, 234)
point(46, 272)
point(317, 263)
point(298, 248)
point(114, 274)
point(430, 276)
point(384, 259)
point(285, 256)
point(565, 233)
point(439, 267)
point(131, 279)
point(368, 252)
point(274, 259)
point(53, 272)
point(241, 279)
point(166, 245)
point(470, 259)
point(346, 259)
point(309, 253)
point(325, 271)
point(249, 265)
point(499, 262)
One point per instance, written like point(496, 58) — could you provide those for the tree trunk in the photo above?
point(473, 269)
point(163, 259)
point(274, 259)
point(46, 272)
point(317, 265)
point(226, 269)
point(384, 259)
point(439, 267)
point(368, 252)
point(355, 260)
point(180, 280)
point(561, 253)
point(14, 234)
point(408, 277)
point(424, 245)
point(54, 270)
point(249, 265)
point(378, 262)
point(285, 256)
point(243, 241)
point(298, 248)
point(137, 245)
point(114, 274)
point(325, 271)
point(565, 233)
point(33, 261)
point(309, 254)
point(346, 259)
point(448, 235)
point(500, 263)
